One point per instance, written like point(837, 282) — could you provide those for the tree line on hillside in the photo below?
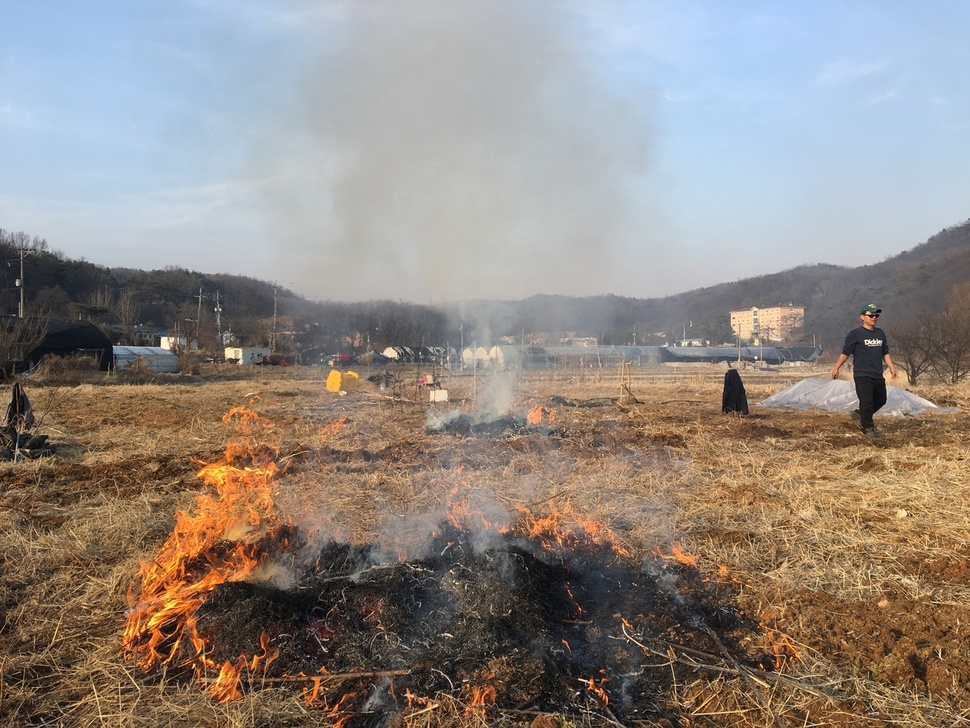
point(135, 306)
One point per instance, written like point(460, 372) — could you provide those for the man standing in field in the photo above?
point(869, 349)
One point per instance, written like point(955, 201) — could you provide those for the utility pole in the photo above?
point(272, 334)
point(20, 281)
point(218, 310)
point(198, 317)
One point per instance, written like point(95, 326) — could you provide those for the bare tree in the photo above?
point(127, 310)
point(18, 337)
point(952, 356)
point(22, 241)
point(914, 343)
point(766, 333)
point(791, 328)
point(98, 303)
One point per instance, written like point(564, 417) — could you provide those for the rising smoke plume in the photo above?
point(453, 150)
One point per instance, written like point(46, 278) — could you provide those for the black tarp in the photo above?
point(68, 338)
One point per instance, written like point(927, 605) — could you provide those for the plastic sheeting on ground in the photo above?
point(839, 395)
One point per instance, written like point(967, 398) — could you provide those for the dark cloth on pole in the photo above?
point(734, 398)
point(19, 412)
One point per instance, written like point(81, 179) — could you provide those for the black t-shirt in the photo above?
point(867, 348)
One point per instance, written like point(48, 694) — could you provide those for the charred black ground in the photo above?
point(464, 425)
point(534, 629)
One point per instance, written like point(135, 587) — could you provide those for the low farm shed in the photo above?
point(156, 358)
point(72, 338)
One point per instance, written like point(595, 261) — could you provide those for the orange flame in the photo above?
point(682, 557)
point(413, 699)
point(785, 653)
point(311, 694)
point(464, 518)
point(539, 413)
point(266, 657)
point(598, 690)
point(250, 430)
point(327, 432)
point(481, 698)
point(226, 686)
point(558, 530)
point(677, 554)
point(554, 530)
point(341, 712)
point(222, 540)
point(783, 649)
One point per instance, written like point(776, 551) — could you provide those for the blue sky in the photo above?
point(432, 150)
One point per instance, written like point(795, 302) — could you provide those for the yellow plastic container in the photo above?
point(338, 381)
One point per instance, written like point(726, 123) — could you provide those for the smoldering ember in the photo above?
point(531, 611)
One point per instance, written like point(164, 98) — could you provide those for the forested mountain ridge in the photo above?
point(135, 304)
point(906, 284)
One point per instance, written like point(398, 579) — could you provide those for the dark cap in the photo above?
point(870, 308)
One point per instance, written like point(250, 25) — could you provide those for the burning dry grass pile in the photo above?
point(349, 560)
point(516, 615)
point(499, 626)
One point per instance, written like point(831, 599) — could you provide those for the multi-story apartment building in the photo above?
point(768, 323)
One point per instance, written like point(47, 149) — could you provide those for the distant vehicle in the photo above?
point(342, 359)
point(275, 360)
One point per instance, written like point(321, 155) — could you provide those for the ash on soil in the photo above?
point(467, 426)
point(533, 625)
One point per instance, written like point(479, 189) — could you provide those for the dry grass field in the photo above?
point(769, 570)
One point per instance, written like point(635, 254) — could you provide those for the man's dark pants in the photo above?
point(872, 396)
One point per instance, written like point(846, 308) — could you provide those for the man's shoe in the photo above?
point(856, 416)
point(869, 432)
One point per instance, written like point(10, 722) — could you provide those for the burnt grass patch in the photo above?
point(534, 629)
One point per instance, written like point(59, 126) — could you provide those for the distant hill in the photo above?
point(914, 281)
point(906, 284)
